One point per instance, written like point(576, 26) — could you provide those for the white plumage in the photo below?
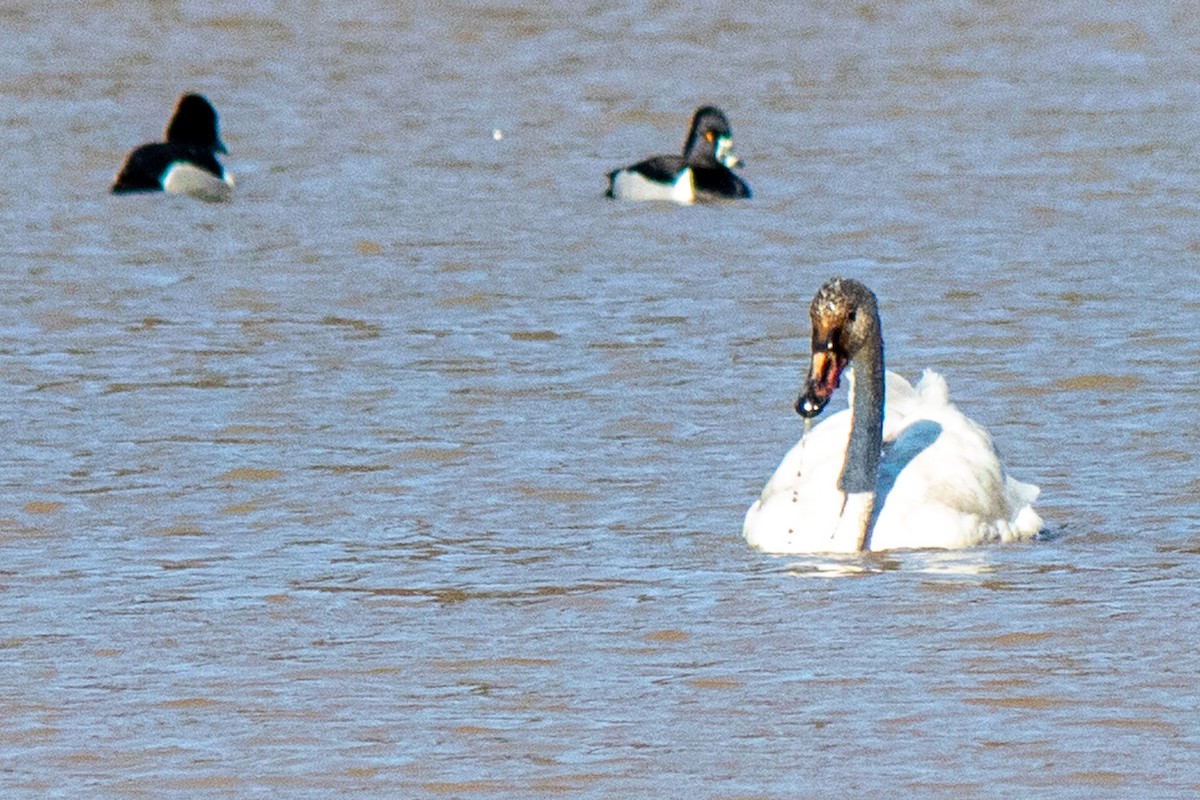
point(938, 480)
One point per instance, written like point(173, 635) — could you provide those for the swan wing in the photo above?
point(940, 485)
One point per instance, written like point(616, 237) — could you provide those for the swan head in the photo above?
point(845, 317)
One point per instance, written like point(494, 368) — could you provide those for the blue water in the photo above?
point(419, 469)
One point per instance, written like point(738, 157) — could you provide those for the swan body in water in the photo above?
point(913, 472)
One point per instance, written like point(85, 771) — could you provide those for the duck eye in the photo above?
point(709, 135)
point(853, 315)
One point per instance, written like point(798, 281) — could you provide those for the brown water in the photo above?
point(419, 470)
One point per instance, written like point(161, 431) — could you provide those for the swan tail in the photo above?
point(1024, 522)
point(932, 388)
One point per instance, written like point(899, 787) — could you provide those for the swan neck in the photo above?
point(866, 430)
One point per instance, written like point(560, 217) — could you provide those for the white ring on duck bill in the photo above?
point(725, 154)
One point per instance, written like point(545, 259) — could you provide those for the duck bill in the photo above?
point(725, 153)
point(824, 376)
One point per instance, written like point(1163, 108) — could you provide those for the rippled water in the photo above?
point(418, 471)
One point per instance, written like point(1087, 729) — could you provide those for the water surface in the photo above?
point(419, 469)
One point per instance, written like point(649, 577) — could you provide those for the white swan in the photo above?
point(917, 473)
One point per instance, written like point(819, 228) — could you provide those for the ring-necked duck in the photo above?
point(186, 163)
point(701, 173)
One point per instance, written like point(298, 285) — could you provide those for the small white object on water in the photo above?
point(497, 134)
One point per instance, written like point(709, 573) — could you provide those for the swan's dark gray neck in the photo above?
point(866, 432)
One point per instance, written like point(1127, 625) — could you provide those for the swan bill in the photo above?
point(824, 377)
